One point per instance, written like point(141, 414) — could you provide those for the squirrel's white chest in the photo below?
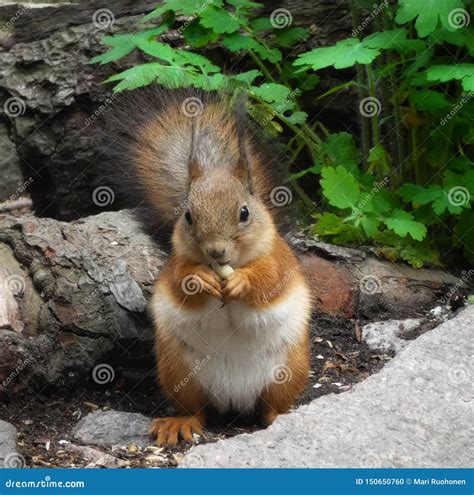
point(236, 350)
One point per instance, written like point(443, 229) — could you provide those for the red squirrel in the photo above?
point(231, 306)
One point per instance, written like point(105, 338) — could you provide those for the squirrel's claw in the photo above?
point(236, 286)
point(167, 431)
point(209, 281)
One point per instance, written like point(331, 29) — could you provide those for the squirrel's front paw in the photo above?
point(236, 285)
point(202, 280)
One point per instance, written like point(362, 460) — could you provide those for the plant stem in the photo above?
point(361, 85)
point(304, 197)
point(375, 118)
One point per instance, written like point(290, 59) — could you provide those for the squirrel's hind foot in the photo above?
point(167, 431)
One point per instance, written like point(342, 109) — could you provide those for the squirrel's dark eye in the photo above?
point(188, 217)
point(244, 214)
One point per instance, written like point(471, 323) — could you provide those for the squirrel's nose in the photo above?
point(216, 253)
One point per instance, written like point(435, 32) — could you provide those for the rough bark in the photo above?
point(44, 63)
point(81, 290)
point(76, 295)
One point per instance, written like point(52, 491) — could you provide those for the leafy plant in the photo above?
point(408, 189)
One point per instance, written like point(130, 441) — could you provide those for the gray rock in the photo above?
point(417, 412)
point(386, 336)
point(107, 428)
point(12, 178)
point(9, 457)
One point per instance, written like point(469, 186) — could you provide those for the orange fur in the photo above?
point(181, 386)
point(279, 397)
point(260, 284)
point(195, 176)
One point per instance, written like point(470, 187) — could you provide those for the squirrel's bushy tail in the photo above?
point(153, 132)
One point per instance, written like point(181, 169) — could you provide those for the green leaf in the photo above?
point(418, 255)
point(334, 227)
point(428, 14)
point(402, 223)
point(297, 117)
point(344, 54)
point(117, 52)
point(460, 37)
point(378, 159)
point(245, 4)
point(340, 187)
point(123, 44)
point(183, 7)
point(142, 75)
point(422, 60)
point(351, 51)
point(247, 77)
point(198, 36)
point(429, 100)
point(289, 36)
point(238, 42)
point(271, 92)
point(261, 24)
point(443, 203)
point(395, 39)
point(157, 50)
point(219, 20)
point(383, 200)
point(445, 73)
point(409, 191)
point(209, 82)
point(342, 150)
point(427, 195)
point(370, 225)
point(184, 57)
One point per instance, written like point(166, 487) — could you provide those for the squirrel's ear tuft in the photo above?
point(243, 171)
point(194, 169)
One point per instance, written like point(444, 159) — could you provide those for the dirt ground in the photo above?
point(45, 421)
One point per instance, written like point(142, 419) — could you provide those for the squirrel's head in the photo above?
point(223, 221)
